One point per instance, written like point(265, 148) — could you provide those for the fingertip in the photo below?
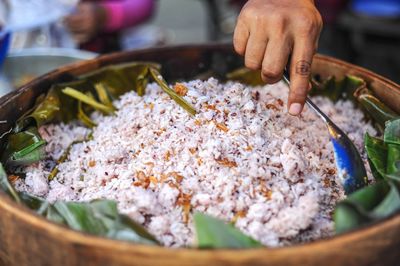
point(240, 37)
point(297, 99)
point(295, 109)
point(239, 48)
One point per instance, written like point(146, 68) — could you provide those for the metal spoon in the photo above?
point(350, 166)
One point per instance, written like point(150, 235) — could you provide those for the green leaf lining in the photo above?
point(214, 233)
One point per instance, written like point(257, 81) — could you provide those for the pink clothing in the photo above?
point(125, 13)
point(121, 14)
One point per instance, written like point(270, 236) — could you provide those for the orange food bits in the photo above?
point(186, 212)
point(184, 201)
point(239, 214)
point(163, 177)
point(222, 127)
point(151, 164)
point(180, 89)
point(331, 171)
point(146, 183)
point(271, 106)
point(153, 180)
point(210, 107)
point(267, 193)
point(140, 175)
point(13, 178)
point(137, 183)
point(226, 162)
point(167, 156)
point(178, 177)
point(327, 182)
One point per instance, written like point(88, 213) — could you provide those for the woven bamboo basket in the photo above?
point(27, 239)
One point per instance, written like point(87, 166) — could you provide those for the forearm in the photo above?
point(125, 13)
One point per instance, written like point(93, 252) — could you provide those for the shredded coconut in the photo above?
point(242, 159)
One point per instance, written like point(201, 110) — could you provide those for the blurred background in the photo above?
point(363, 32)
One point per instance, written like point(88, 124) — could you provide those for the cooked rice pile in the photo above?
point(242, 159)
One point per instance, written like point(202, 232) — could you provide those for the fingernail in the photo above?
point(295, 109)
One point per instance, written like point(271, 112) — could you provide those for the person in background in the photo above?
point(268, 32)
point(95, 23)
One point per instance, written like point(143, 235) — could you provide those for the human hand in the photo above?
point(269, 31)
point(86, 22)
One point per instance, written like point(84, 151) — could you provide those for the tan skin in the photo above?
point(268, 31)
point(86, 22)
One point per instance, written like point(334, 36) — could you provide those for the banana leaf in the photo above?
point(88, 99)
point(69, 101)
point(347, 217)
point(6, 186)
point(392, 132)
point(23, 148)
point(24, 145)
point(102, 93)
point(390, 204)
point(62, 159)
point(83, 117)
point(246, 76)
point(214, 233)
point(99, 217)
point(69, 105)
point(45, 110)
point(393, 159)
point(174, 96)
point(377, 155)
point(379, 112)
point(122, 78)
point(381, 199)
point(337, 89)
point(392, 139)
point(138, 76)
point(55, 106)
point(394, 177)
point(114, 80)
point(367, 205)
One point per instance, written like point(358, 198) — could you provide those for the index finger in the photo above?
point(300, 71)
